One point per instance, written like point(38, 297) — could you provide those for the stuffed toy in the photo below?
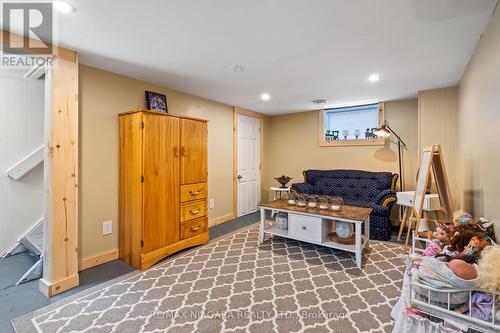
point(436, 245)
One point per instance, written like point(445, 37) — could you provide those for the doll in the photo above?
point(462, 235)
point(435, 246)
point(477, 244)
point(489, 269)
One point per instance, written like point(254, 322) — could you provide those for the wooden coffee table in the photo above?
point(312, 225)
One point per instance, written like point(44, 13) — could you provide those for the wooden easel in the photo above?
point(432, 157)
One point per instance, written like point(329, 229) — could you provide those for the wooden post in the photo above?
point(60, 271)
point(60, 267)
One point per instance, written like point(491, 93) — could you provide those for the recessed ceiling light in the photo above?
point(374, 78)
point(237, 68)
point(62, 6)
point(265, 97)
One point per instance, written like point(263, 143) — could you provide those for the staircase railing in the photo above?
point(21, 168)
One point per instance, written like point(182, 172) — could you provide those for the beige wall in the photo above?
point(292, 146)
point(102, 96)
point(478, 160)
point(437, 123)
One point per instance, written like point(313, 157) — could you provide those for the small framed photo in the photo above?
point(156, 102)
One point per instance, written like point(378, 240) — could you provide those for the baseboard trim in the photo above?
point(99, 259)
point(105, 257)
point(51, 289)
point(220, 220)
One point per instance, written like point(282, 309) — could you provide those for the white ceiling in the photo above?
point(296, 50)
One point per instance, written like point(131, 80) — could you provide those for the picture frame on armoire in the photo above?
point(156, 102)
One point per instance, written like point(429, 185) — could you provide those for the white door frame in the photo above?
point(237, 111)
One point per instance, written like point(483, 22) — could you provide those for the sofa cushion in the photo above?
point(350, 184)
point(374, 180)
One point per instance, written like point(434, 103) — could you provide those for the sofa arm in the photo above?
point(380, 210)
point(302, 188)
point(386, 197)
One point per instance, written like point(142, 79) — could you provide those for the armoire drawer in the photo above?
point(193, 210)
point(193, 192)
point(193, 227)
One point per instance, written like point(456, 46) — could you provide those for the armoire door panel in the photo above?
point(161, 182)
point(193, 151)
point(130, 188)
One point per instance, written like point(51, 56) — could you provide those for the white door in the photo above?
point(248, 164)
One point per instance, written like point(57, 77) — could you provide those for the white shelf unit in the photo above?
point(318, 235)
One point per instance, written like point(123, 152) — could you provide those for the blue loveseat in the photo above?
point(358, 188)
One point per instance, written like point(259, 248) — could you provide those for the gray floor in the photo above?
point(16, 301)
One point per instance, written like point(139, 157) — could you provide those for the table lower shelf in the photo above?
point(326, 242)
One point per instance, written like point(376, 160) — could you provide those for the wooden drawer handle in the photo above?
point(195, 228)
point(194, 193)
point(194, 212)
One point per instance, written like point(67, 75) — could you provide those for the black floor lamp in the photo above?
point(385, 131)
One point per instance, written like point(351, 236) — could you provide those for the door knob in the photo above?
point(240, 176)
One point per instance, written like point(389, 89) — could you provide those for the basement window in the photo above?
point(353, 125)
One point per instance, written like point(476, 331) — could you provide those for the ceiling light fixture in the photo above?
point(62, 6)
point(319, 101)
point(237, 68)
point(265, 97)
point(374, 78)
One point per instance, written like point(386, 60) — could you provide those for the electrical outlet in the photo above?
point(211, 203)
point(107, 227)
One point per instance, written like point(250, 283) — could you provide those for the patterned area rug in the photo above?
point(235, 285)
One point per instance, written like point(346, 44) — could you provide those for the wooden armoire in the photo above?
point(163, 185)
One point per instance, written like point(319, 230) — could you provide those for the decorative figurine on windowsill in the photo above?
point(369, 134)
point(357, 133)
point(283, 180)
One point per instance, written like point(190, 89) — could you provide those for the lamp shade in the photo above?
point(382, 131)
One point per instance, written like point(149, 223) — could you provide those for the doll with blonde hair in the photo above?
point(489, 268)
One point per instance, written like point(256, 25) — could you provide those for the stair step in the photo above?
point(33, 240)
point(34, 273)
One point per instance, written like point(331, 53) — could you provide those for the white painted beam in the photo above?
point(21, 168)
